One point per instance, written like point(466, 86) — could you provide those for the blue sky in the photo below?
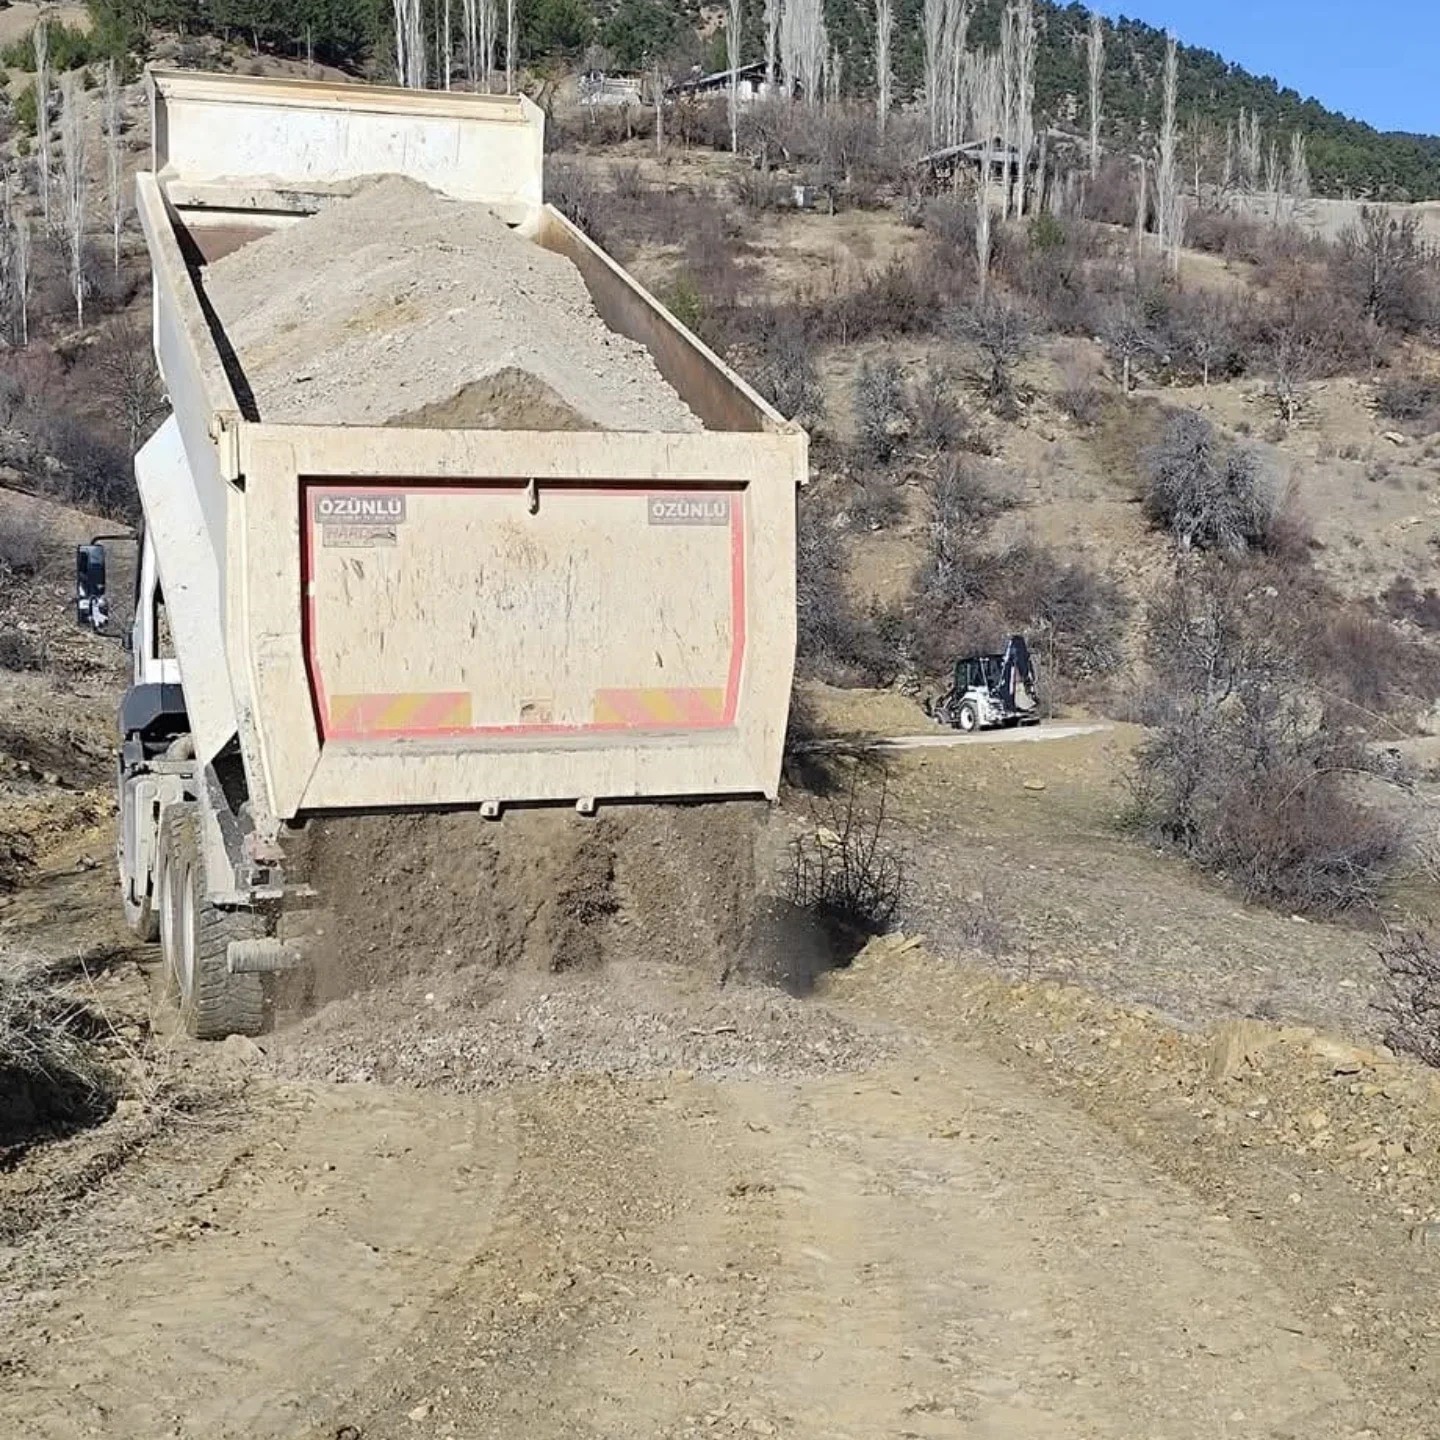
point(1379, 62)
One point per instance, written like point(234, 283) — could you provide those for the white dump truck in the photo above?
point(379, 617)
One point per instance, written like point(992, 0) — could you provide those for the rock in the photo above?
point(1395, 437)
point(1342, 1058)
point(1034, 784)
point(241, 1050)
point(421, 1411)
point(1426, 1234)
point(1237, 1044)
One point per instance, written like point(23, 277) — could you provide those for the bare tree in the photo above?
point(1142, 203)
point(1249, 156)
point(1167, 180)
point(1025, 38)
point(1127, 338)
point(470, 47)
point(510, 47)
point(409, 45)
point(884, 28)
point(22, 270)
point(114, 175)
point(40, 38)
point(772, 41)
point(657, 88)
point(804, 48)
point(952, 77)
point(933, 31)
point(834, 68)
point(1095, 53)
point(447, 49)
point(72, 175)
point(1003, 335)
point(1274, 178)
point(1008, 89)
point(1298, 179)
point(1227, 180)
point(1293, 363)
point(732, 54)
point(985, 98)
point(129, 380)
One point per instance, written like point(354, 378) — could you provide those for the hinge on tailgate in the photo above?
point(225, 432)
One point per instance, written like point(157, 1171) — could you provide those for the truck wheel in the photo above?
point(195, 936)
point(968, 719)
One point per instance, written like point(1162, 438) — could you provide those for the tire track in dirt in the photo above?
point(330, 1226)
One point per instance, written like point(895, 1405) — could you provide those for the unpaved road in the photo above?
point(944, 739)
point(932, 1248)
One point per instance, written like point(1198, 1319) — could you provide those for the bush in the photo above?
point(1410, 398)
point(1003, 335)
point(1412, 1000)
point(1241, 774)
point(1207, 495)
point(786, 374)
point(882, 419)
point(19, 651)
point(27, 542)
point(877, 504)
point(844, 873)
point(940, 423)
point(50, 1075)
point(1405, 601)
point(571, 191)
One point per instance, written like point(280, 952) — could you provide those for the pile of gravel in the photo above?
point(400, 306)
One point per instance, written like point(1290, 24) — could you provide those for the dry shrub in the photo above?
point(1410, 399)
point(50, 1075)
point(1241, 773)
point(1405, 601)
point(572, 192)
point(1208, 495)
point(843, 872)
point(27, 542)
point(882, 413)
point(19, 651)
point(1411, 1003)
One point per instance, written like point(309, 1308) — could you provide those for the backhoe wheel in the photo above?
point(968, 718)
point(195, 981)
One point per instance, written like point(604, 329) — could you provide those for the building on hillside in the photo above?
point(599, 89)
point(751, 85)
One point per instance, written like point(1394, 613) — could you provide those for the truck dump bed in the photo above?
point(399, 615)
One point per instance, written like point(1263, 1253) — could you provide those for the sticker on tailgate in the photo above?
point(689, 509)
point(360, 519)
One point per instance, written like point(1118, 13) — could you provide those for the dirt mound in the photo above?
point(545, 890)
point(399, 302)
point(466, 953)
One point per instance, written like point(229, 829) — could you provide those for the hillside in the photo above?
point(1346, 155)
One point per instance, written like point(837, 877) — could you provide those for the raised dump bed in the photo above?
point(400, 576)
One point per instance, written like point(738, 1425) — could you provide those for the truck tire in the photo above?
point(195, 979)
point(967, 719)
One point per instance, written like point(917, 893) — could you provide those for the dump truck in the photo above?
point(341, 619)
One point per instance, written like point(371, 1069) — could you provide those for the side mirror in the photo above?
point(92, 608)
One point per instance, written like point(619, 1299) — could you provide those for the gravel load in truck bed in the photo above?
point(400, 306)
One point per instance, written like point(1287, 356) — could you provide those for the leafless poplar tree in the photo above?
point(1298, 179)
point(804, 46)
point(72, 177)
point(834, 70)
point(932, 21)
point(884, 28)
point(409, 44)
point(1095, 54)
point(772, 43)
point(1024, 29)
point(1227, 178)
point(447, 49)
point(1008, 89)
point(1249, 156)
point(22, 269)
point(986, 96)
point(510, 47)
point(114, 175)
point(732, 54)
point(40, 38)
point(1167, 179)
point(957, 35)
point(657, 90)
point(470, 41)
point(489, 26)
point(1142, 203)
point(1274, 177)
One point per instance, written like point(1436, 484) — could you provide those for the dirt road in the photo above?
point(929, 1248)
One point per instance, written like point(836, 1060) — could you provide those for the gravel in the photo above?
point(399, 305)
